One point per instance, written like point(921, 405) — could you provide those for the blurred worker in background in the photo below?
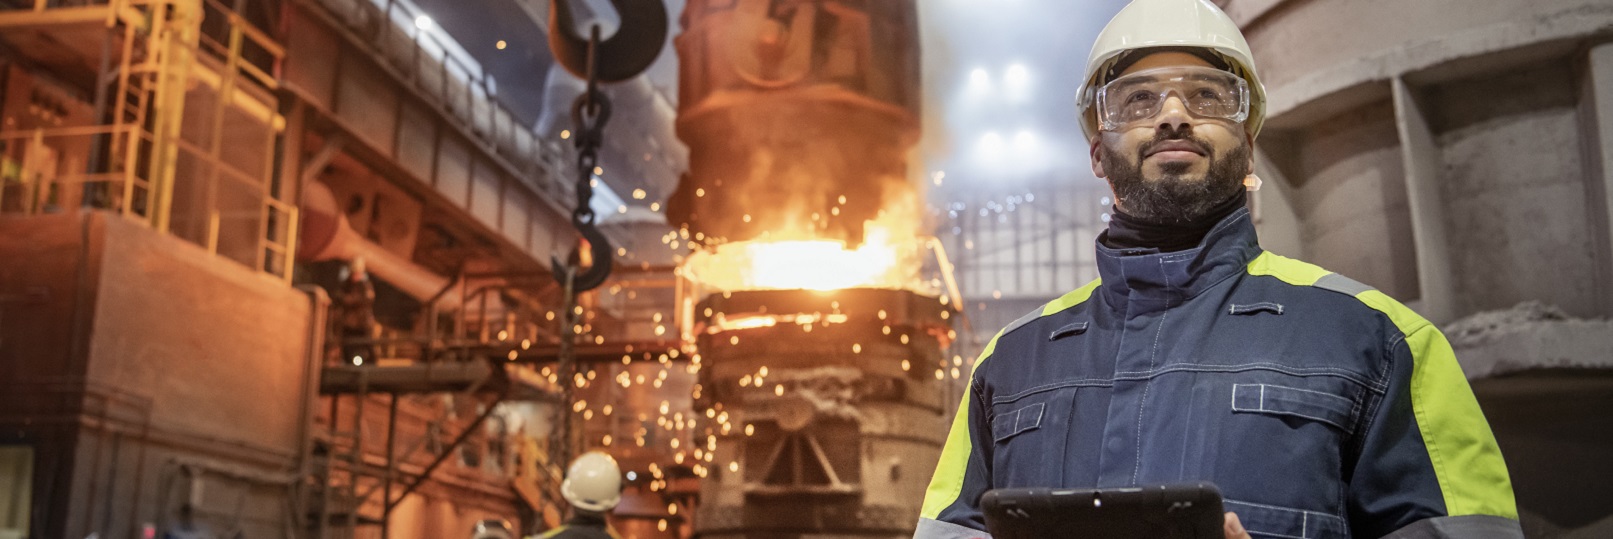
point(492, 529)
point(593, 486)
point(356, 303)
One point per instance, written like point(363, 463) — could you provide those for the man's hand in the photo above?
point(1234, 528)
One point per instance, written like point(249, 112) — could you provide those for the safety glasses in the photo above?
point(1137, 97)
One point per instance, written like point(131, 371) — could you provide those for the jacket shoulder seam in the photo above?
point(1299, 273)
point(1070, 300)
point(1022, 322)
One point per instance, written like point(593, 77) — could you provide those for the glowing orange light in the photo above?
point(796, 257)
point(798, 264)
point(744, 322)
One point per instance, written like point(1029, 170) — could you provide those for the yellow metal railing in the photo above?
point(145, 154)
point(32, 179)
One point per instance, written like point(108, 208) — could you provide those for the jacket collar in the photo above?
point(1137, 281)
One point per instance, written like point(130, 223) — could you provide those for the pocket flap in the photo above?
point(1271, 521)
point(1006, 425)
point(1288, 401)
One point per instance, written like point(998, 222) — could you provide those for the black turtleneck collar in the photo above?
point(1130, 232)
point(586, 518)
point(1142, 281)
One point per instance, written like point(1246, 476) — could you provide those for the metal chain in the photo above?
point(589, 137)
point(589, 113)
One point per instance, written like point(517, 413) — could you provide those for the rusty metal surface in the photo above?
point(799, 115)
point(416, 378)
point(837, 422)
point(786, 106)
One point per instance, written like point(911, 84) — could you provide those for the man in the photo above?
point(492, 528)
point(593, 486)
point(356, 300)
point(1320, 407)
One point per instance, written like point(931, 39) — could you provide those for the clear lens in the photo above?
point(1205, 92)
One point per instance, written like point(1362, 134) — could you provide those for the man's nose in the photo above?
point(1173, 114)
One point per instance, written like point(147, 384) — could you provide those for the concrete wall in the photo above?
point(37, 358)
point(1490, 201)
point(1308, 48)
point(148, 374)
point(1456, 155)
point(1513, 181)
point(186, 328)
point(1347, 188)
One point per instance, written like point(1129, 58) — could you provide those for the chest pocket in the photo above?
point(1028, 436)
point(1295, 429)
point(1291, 402)
point(1006, 425)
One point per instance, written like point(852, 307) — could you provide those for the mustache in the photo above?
point(1183, 135)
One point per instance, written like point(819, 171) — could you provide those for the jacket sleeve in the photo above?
point(1428, 465)
point(951, 504)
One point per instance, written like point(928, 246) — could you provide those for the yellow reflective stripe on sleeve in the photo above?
point(1467, 462)
point(1075, 297)
point(1472, 475)
point(947, 483)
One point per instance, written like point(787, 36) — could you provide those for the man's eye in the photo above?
point(1140, 97)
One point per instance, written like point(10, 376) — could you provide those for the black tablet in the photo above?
point(1176, 511)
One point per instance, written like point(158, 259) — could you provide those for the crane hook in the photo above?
point(628, 52)
point(599, 247)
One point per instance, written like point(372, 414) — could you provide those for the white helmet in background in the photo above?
point(1178, 24)
point(593, 483)
point(492, 529)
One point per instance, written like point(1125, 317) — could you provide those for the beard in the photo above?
point(1175, 197)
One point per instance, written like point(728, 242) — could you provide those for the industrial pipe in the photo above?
point(326, 235)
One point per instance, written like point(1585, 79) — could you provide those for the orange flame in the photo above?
point(891, 256)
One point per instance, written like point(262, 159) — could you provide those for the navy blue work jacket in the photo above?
point(1320, 407)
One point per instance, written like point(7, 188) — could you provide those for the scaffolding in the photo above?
point(183, 131)
point(359, 483)
point(492, 346)
point(172, 119)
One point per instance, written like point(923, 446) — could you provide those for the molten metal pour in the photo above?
point(798, 115)
point(821, 347)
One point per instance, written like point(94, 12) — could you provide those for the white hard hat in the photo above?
point(594, 483)
point(1189, 24)
point(492, 529)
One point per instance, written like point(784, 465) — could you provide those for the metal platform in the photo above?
point(430, 377)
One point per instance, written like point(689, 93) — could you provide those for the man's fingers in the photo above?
point(1234, 528)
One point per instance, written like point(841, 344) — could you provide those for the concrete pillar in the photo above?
point(1596, 113)
point(1275, 218)
point(1421, 157)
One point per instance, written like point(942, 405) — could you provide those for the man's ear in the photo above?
point(1097, 159)
point(1251, 167)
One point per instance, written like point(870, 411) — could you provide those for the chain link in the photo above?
point(589, 114)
